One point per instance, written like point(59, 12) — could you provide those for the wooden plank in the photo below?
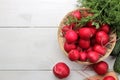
point(36, 75)
point(34, 12)
point(32, 49)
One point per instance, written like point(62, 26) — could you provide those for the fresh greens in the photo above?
point(105, 11)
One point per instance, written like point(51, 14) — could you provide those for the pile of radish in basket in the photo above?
point(85, 43)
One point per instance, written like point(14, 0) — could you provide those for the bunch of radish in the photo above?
point(86, 43)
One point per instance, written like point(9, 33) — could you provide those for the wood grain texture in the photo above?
point(33, 12)
point(32, 48)
point(36, 75)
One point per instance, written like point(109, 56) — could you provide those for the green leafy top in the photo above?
point(105, 11)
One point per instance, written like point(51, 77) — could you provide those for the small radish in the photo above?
point(101, 68)
point(69, 46)
point(77, 14)
point(66, 28)
point(71, 36)
point(89, 49)
point(93, 56)
point(83, 56)
point(73, 55)
point(108, 78)
point(93, 29)
point(89, 24)
point(61, 70)
point(79, 48)
point(84, 43)
point(72, 25)
point(105, 28)
point(100, 49)
point(102, 38)
point(85, 33)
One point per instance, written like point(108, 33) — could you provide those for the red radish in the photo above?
point(73, 55)
point(93, 56)
point(89, 24)
point(77, 14)
point(102, 38)
point(69, 46)
point(83, 56)
point(61, 70)
point(71, 36)
point(72, 25)
point(105, 28)
point(65, 28)
point(100, 49)
point(101, 68)
point(93, 29)
point(85, 33)
point(89, 49)
point(79, 49)
point(108, 78)
point(84, 43)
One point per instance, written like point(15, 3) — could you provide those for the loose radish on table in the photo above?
point(71, 36)
point(73, 55)
point(102, 38)
point(108, 78)
point(83, 56)
point(85, 33)
point(61, 70)
point(69, 46)
point(100, 68)
point(100, 49)
point(84, 43)
point(93, 56)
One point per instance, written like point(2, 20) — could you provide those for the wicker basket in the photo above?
point(61, 39)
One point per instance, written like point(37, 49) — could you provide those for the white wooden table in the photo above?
point(28, 39)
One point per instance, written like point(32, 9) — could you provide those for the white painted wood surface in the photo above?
point(30, 13)
point(28, 40)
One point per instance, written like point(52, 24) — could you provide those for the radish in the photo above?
point(85, 33)
point(89, 24)
point(105, 28)
point(108, 78)
point(77, 14)
point(84, 43)
point(83, 56)
point(73, 55)
point(93, 30)
point(89, 49)
point(93, 56)
point(71, 36)
point(102, 38)
point(101, 68)
point(66, 28)
point(69, 46)
point(100, 49)
point(61, 70)
point(79, 49)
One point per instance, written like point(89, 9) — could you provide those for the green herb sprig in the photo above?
point(105, 11)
